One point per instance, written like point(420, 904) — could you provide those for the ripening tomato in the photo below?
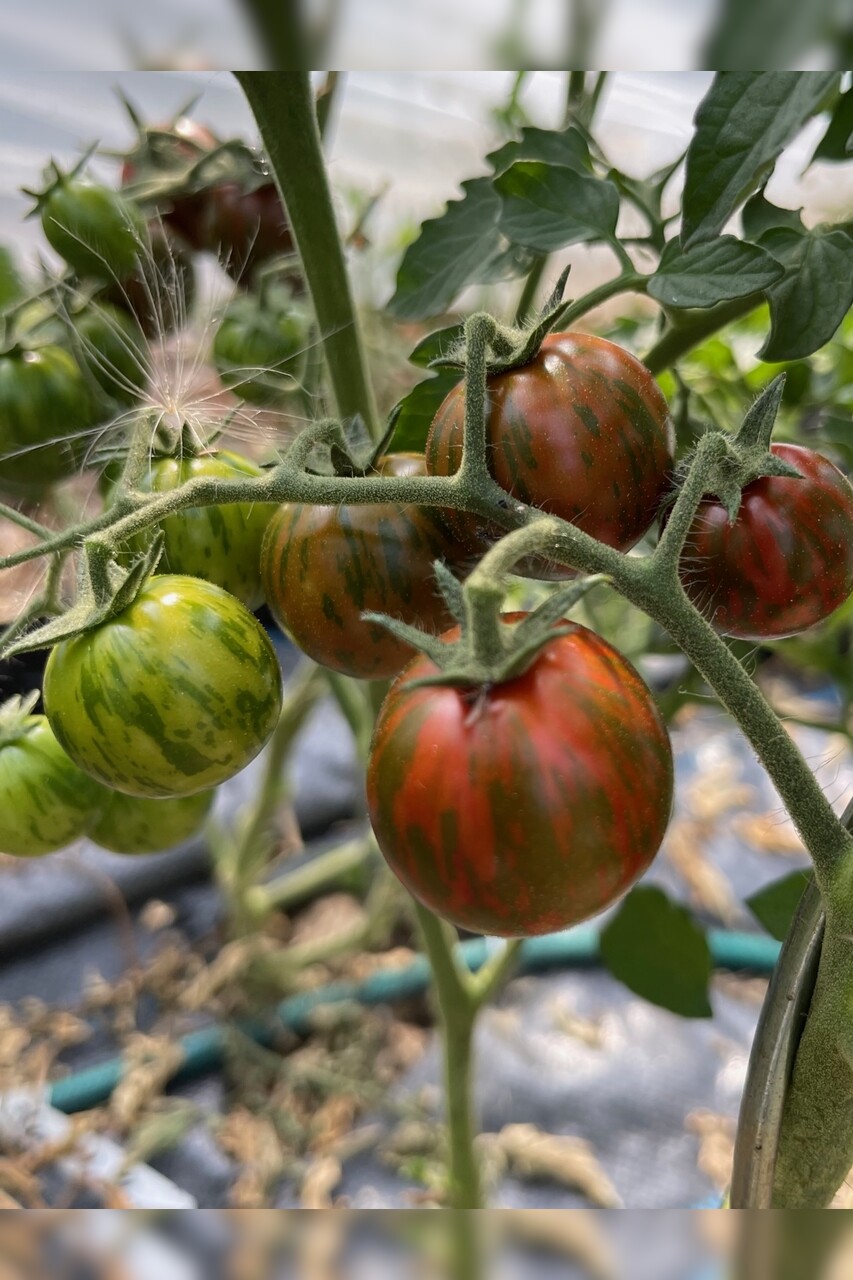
point(322, 567)
point(259, 348)
point(111, 347)
point(46, 802)
point(163, 152)
point(582, 432)
point(523, 807)
point(133, 825)
point(786, 561)
point(45, 412)
point(172, 696)
point(245, 228)
point(98, 232)
point(160, 291)
point(221, 544)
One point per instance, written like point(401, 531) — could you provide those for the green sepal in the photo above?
point(748, 456)
point(457, 662)
point(511, 347)
point(54, 177)
point(14, 714)
point(451, 590)
point(104, 591)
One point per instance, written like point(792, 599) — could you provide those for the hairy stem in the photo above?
point(283, 106)
point(679, 339)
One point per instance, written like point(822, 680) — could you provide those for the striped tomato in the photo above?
point(323, 567)
point(131, 824)
point(527, 806)
point(46, 802)
point(582, 432)
point(785, 562)
point(221, 544)
point(170, 697)
point(45, 414)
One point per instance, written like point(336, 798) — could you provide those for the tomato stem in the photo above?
point(284, 108)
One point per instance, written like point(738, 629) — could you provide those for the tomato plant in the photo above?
point(163, 150)
point(172, 696)
point(133, 824)
point(322, 567)
point(259, 347)
point(785, 562)
point(98, 232)
point(160, 290)
point(221, 544)
point(45, 409)
point(46, 802)
point(527, 806)
point(582, 432)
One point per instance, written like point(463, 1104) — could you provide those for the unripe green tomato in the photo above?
point(259, 351)
point(221, 544)
point(133, 825)
point(46, 802)
point(111, 348)
point(171, 696)
point(97, 231)
point(45, 412)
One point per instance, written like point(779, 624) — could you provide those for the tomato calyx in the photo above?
point(104, 590)
point(55, 178)
point(511, 347)
point(747, 455)
point(16, 717)
point(488, 647)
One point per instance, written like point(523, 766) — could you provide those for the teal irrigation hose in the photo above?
point(573, 949)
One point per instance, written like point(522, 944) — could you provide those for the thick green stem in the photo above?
point(457, 1012)
point(680, 339)
point(284, 109)
point(626, 282)
point(339, 866)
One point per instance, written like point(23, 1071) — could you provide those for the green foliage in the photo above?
point(712, 272)
point(774, 905)
point(657, 949)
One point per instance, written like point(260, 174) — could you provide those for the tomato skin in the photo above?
point(221, 544)
point(259, 351)
point(171, 697)
point(46, 802)
point(786, 562)
point(111, 347)
point(245, 228)
point(528, 806)
point(162, 150)
point(322, 567)
point(582, 432)
point(45, 407)
point(132, 825)
point(98, 231)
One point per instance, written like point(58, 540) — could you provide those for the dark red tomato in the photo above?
point(168, 149)
point(582, 432)
point(322, 567)
point(161, 292)
point(785, 563)
point(245, 228)
point(527, 806)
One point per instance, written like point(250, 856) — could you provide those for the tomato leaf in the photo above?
point(655, 947)
point(437, 344)
point(412, 416)
point(759, 215)
point(713, 272)
point(552, 146)
point(808, 304)
point(837, 142)
point(450, 252)
point(742, 125)
point(548, 206)
point(775, 904)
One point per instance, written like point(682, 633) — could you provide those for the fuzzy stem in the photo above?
point(679, 339)
point(479, 330)
point(283, 106)
point(457, 1012)
point(24, 521)
point(626, 282)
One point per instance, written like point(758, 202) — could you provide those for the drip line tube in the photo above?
point(203, 1050)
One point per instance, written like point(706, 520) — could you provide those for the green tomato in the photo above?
point(11, 284)
point(220, 544)
point(97, 231)
point(259, 350)
point(111, 347)
point(45, 411)
point(171, 696)
point(46, 802)
point(131, 824)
